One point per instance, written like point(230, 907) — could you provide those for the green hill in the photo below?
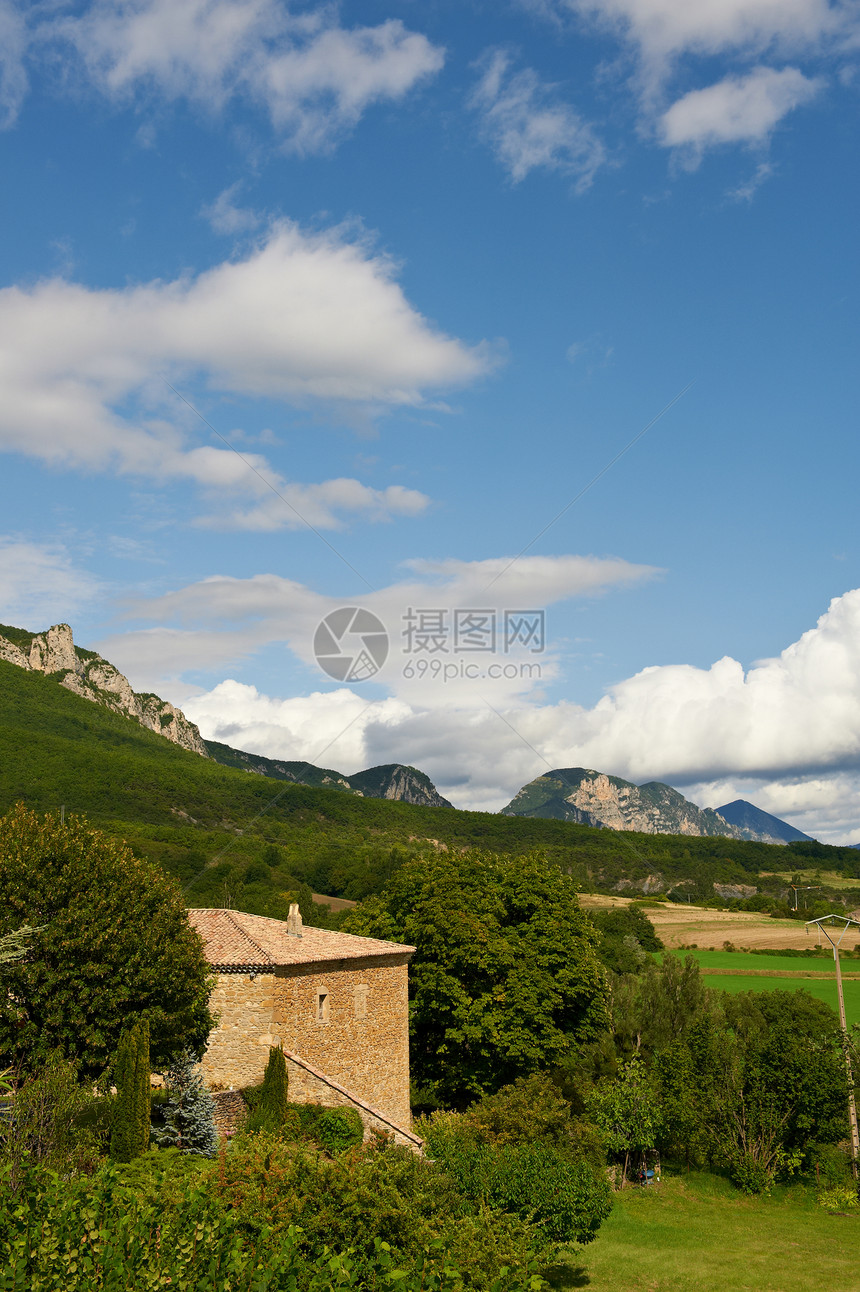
point(234, 836)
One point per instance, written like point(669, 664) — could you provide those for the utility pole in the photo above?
point(804, 888)
point(846, 921)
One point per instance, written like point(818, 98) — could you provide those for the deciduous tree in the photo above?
point(505, 978)
point(110, 942)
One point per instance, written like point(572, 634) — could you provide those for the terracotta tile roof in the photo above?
point(234, 940)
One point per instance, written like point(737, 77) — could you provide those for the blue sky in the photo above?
point(421, 272)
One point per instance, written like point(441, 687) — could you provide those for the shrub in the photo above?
point(338, 1129)
point(45, 1123)
point(564, 1197)
point(265, 1216)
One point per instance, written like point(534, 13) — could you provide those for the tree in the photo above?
point(783, 1084)
point(131, 1111)
point(505, 977)
point(189, 1115)
point(113, 941)
point(271, 1110)
point(626, 1110)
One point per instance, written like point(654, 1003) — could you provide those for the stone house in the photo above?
point(336, 1002)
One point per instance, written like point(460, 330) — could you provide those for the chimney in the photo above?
point(294, 920)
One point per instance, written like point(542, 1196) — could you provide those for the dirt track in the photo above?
point(683, 925)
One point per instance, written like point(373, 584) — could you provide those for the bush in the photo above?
point(338, 1129)
point(563, 1197)
point(264, 1217)
point(46, 1122)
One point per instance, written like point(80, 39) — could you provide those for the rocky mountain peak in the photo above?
point(89, 675)
point(595, 798)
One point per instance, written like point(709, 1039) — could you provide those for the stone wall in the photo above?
point(238, 1049)
point(349, 1020)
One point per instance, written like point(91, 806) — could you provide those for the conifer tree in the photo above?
point(130, 1122)
point(189, 1116)
point(271, 1111)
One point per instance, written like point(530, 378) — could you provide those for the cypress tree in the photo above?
point(189, 1116)
point(130, 1121)
point(272, 1109)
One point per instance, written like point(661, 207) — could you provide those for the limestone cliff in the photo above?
point(396, 781)
point(593, 798)
point(89, 675)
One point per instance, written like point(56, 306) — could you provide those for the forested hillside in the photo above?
point(238, 836)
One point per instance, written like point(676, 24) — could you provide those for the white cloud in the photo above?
point(738, 109)
point(528, 125)
point(13, 77)
point(784, 734)
point(327, 728)
point(40, 585)
point(662, 30)
point(244, 615)
point(669, 38)
point(226, 217)
point(747, 190)
point(304, 316)
point(313, 77)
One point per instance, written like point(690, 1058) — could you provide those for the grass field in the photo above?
point(696, 1233)
point(781, 973)
point(797, 966)
point(822, 988)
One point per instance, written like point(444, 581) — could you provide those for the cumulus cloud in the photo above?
point(738, 109)
point(528, 125)
point(40, 584)
point(668, 39)
point(313, 77)
point(325, 726)
point(784, 734)
point(303, 317)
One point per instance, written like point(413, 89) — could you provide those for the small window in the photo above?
point(322, 1006)
point(361, 1002)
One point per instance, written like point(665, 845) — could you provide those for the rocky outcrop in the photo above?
point(593, 798)
point(735, 892)
point(94, 678)
point(396, 781)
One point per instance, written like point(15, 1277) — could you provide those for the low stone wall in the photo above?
point(310, 1086)
point(307, 1085)
point(230, 1111)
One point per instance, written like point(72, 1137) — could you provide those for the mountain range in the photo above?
point(594, 798)
point(575, 794)
point(247, 834)
point(92, 677)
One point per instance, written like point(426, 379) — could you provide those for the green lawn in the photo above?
point(698, 1234)
point(823, 988)
point(768, 964)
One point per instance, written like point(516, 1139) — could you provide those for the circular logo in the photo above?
point(351, 644)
